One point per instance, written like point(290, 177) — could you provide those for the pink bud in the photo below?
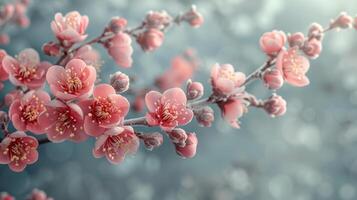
point(120, 82)
point(273, 79)
point(312, 48)
point(152, 140)
point(193, 17)
point(4, 39)
point(23, 21)
point(51, 49)
point(275, 106)
point(315, 31)
point(117, 24)
point(194, 90)
point(178, 136)
point(296, 39)
point(204, 116)
point(342, 21)
point(272, 42)
point(189, 150)
point(150, 39)
point(7, 12)
point(6, 196)
point(158, 20)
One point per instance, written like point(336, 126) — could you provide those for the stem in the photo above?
point(43, 141)
point(136, 121)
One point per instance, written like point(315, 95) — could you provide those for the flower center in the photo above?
point(25, 73)
point(228, 74)
point(17, 150)
point(30, 113)
point(167, 113)
point(294, 65)
point(65, 121)
point(72, 20)
point(102, 109)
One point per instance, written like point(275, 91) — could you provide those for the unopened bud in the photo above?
point(117, 24)
point(189, 150)
point(296, 39)
point(275, 106)
point(178, 136)
point(51, 49)
point(315, 31)
point(193, 17)
point(273, 79)
point(194, 90)
point(205, 116)
point(342, 21)
point(152, 140)
point(120, 82)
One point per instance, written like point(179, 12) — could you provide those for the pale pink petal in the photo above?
point(152, 100)
point(103, 90)
point(91, 128)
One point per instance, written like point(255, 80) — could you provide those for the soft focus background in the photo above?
point(308, 154)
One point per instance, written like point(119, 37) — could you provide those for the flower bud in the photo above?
point(150, 39)
point(51, 49)
point(275, 106)
point(315, 31)
point(193, 17)
point(296, 39)
point(272, 42)
point(342, 21)
point(205, 116)
point(189, 150)
point(152, 140)
point(158, 20)
point(178, 136)
point(7, 12)
point(120, 82)
point(194, 90)
point(312, 48)
point(117, 24)
point(6, 196)
point(273, 79)
point(4, 39)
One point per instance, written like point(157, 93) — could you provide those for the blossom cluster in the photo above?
point(77, 106)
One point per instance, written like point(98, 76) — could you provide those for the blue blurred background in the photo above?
point(309, 154)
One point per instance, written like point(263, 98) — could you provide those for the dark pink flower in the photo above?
point(293, 67)
point(167, 110)
point(116, 143)
point(232, 110)
point(225, 80)
point(18, 150)
point(189, 150)
point(273, 79)
point(63, 122)
point(312, 48)
point(26, 69)
point(24, 112)
point(275, 106)
point(151, 39)
point(38, 195)
point(76, 80)
point(272, 42)
point(106, 110)
point(3, 74)
point(6, 196)
point(70, 28)
point(120, 49)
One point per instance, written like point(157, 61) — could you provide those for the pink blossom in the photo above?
point(51, 49)
point(293, 67)
point(116, 143)
point(178, 136)
point(24, 112)
point(38, 195)
point(232, 110)
point(151, 39)
point(13, 95)
point(106, 110)
point(312, 48)
point(296, 39)
point(117, 24)
point(225, 80)
point(275, 106)
point(6, 196)
point(70, 28)
point(63, 121)
point(167, 110)
point(76, 80)
point(193, 17)
point(342, 21)
point(4, 39)
point(120, 82)
point(18, 150)
point(151, 140)
point(26, 69)
point(272, 42)
point(89, 55)
point(273, 79)
point(157, 20)
point(3, 74)
point(189, 150)
point(204, 116)
point(120, 49)
point(194, 90)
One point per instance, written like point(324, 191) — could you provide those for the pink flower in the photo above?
point(63, 122)
point(194, 90)
point(296, 39)
point(204, 116)
point(116, 143)
point(106, 110)
point(293, 67)
point(70, 28)
point(18, 150)
point(193, 17)
point(225, 80)
point(24, 113)
point(343, 21)
point(26, 69)
point(76, 80)
point(273, 79)
point(151, 39)
point(232, 110)
point(3, 74)
point(189, 150)
point(119, 81)
point(272, 42)
point(275, 106)
point(312, 48)
point(89, 55)
point(119, 48)
point(13, 95)
point(167, 110)
point(38, 195)
point(6, 196)
point(157, 20)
